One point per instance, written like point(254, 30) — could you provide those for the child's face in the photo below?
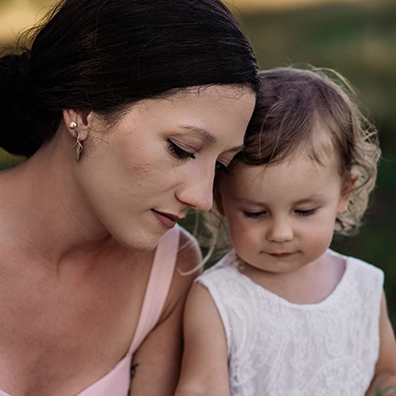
point(282, 217)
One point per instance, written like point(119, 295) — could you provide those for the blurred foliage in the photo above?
point(7, 160)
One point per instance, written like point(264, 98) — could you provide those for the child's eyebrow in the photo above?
point(237, 149)
point(247, 201)
point(309, 200)
point(313, 198)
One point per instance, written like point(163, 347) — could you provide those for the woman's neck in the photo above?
point(43, 212)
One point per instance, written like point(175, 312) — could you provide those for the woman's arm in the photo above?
point(385, 369)
point(159, 356)
point(204, 367)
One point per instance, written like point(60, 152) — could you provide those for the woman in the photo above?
point(125, 108)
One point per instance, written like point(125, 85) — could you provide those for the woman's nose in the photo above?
point(280, 230)
point(197, 191)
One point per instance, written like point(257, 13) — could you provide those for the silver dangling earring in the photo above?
point(78, 147)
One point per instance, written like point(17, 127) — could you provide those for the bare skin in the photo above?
point(63, 337)
point(77, 241)
point(64, 326)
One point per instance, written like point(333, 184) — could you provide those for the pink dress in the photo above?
point(117, 381)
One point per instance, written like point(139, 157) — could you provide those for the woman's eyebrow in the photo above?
point(200, 131)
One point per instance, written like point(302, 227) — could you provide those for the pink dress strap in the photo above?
point(117, 381)
point(158, 286)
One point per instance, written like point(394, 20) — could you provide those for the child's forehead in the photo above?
point(315, 137)
point(294, 171)
point(299, 160)
point(281, 184)
point(320, 152)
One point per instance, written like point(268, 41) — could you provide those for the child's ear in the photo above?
point(346, 190)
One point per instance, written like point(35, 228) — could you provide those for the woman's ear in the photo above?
point(77, 123)
point(346, 190)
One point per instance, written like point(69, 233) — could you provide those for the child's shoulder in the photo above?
point(226, 265)
point(223, 278)
point(362, 274)
point(357, 264)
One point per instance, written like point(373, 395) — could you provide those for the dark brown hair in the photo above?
point(105, 55)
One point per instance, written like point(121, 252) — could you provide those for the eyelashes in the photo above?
point(179, 152)
point(301, 213)
point(306, 212)
point(254, 215)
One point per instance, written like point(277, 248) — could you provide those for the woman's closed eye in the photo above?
point(178, 152)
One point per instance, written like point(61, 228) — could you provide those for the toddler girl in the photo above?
point(281, 313)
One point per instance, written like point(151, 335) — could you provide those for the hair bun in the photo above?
point(14, 73)
point(15, 105)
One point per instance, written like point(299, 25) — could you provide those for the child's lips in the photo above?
point(280, 255)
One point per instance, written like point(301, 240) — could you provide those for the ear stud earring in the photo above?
point(78, 147)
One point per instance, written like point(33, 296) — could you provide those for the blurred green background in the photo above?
point(358, 39)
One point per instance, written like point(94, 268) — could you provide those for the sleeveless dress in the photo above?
point(278, 348)
point(117, 381)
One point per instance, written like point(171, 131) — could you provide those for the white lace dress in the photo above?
point(278, 348)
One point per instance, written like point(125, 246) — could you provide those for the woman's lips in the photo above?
point(166, 219)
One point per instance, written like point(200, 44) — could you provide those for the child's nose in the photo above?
point(280, 230)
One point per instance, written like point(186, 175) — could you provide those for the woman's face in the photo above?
point(142, 175)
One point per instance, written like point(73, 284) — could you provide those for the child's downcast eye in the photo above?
point(179, 152)
point(255, 214)
point(305, 212)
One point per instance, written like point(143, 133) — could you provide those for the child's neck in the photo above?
point(308, 285)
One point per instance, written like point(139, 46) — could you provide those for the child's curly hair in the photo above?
point(296, 109)
point(315, 111)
